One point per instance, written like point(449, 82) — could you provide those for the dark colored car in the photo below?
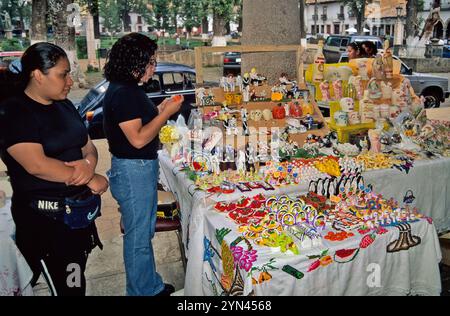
point(7, 57)
point(169, 79)
point(231, 63)
point(336, 45)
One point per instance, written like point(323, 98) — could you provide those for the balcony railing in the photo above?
point(315, 17)
point(341, 16)
point(323, 17)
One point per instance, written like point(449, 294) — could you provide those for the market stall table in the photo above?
point(15, 274)
point(195, 205)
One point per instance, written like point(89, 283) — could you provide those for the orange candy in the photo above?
point(176, 98)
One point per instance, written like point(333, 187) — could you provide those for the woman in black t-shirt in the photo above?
point(132, 123)
point(50, 158)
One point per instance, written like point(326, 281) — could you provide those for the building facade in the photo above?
point(333, 17)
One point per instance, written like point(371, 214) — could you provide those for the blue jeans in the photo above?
point(133, 184)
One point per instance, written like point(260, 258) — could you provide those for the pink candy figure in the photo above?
point(325, 90)
point(337, 87)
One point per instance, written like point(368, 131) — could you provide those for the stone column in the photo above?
point(271, 22)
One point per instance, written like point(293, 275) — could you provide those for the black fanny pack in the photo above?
point(76, 212)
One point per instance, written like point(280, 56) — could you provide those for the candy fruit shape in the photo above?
point(308, 109)
point(295, 109)
point(276, 96)
point(278, 112)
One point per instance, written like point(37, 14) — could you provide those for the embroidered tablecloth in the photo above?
point(428, 181)
point(15, 274)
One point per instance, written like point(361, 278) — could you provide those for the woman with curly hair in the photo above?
point(132, 123)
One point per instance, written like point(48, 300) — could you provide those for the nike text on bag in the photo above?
point(77, 212)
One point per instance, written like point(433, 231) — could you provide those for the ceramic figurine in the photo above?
point(231, 126)
point(254, 78)
point(377, 68)
point(251, 157)
point(309, 121)
point(246, 94)
point(215, 162)
point(374, 89)
point(325, 90)
point(244, 122)
point(200, 95)
point(223, 84)
point(231, 83)
point(239, 83)
point(356, 82)
point(386, 90)
point(374, 137)
point(240, 164)
point(406, 90)
point(246, 80)
point(364, 145)
point(337, 88)
point(362, 70)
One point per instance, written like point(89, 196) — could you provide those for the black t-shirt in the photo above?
point(125, 102)
point(57, 127)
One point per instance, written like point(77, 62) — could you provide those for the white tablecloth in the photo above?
point(15, 274)
point(428, 180)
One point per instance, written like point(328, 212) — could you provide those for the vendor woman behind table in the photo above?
point(49, 157)
point(132, 123)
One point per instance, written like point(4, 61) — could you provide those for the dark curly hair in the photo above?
point(129, 58)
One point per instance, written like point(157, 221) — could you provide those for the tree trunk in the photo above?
point(271, 22)
point(218, 25)
point(302, 18)
point(219, 30)
point(205, 25)
point(360, 18)
point(94, 10)
point(65, 38)
point(411, 17)
point(126, 20)
point(227, 28)
point(38, 21)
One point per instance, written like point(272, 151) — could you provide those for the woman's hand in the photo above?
point(173, 105)
point(83, 172)
point(98, 184)
point(162, 106)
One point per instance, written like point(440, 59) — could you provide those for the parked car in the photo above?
point(6, 58)
point(433, 88)
point(336, 45)
point(231, 63)
point(446, 51)
point(169, 79)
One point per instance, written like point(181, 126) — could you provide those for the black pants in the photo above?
point(64, 251)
